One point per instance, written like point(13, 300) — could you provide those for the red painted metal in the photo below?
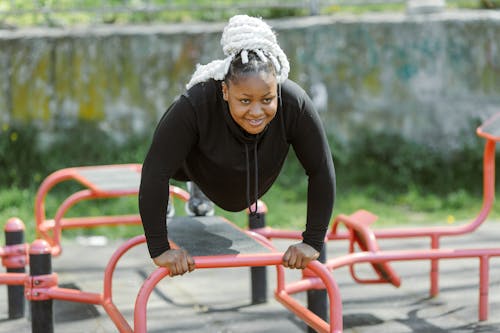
point(37, 288)
point(318, 276)
point(51, 229)
point(359, 233)
point(483, 130)
point(376, 257)
point(45, 287)
point(12, 279)
point(40, 246)
point(14, 224)
point(484, 281)
point(427, 254)
point(14, 256)
point(264, 259)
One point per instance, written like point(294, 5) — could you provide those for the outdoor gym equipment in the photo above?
point(107, 182)
point(220, 244)
point(99, 182)
point(359, 232)
point(113, 181)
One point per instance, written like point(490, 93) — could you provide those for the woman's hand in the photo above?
point(178, 261)
point(299, 256)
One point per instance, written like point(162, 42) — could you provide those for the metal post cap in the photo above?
point(40, 246)
point(14, 224)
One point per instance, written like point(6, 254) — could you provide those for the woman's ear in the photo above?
point(224, 91)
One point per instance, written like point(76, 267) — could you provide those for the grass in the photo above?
point(285, 211)
point(67, 13)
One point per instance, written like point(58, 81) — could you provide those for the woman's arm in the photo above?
point(312, 149)
point(173, 139)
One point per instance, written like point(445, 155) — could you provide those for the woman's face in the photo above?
point(252, 100)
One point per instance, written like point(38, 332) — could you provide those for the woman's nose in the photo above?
point(256, 109)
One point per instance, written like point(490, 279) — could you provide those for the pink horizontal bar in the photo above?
point(239, 260)
point(94, 221)
point(304, 285)
point(73, 295)
point(401, 255)
point(13, 279)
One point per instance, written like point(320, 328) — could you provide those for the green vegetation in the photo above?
point(285, 211)
point(403, 183)
point(399, 180)
point(85, 12)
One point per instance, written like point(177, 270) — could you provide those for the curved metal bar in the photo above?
point(140, 317)
point(48, 183)
point(107, 302)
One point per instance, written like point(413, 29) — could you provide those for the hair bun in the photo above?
point(244, 33)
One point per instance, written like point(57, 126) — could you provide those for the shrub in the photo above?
point(490, 4)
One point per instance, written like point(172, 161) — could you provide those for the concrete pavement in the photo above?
point(218, 300)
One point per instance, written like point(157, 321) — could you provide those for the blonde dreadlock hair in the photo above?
point(244, 34)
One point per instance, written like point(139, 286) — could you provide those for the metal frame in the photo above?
point(359, 231)
point(51, 229)
point(45, 286)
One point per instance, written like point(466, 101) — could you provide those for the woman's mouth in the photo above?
point(255, 122)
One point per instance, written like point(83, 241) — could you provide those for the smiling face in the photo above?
point(252, 100)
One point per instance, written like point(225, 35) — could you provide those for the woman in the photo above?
point(229, 134)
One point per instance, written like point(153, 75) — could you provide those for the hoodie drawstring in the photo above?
point(256, 186)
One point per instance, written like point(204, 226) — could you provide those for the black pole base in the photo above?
point(317, 300)
point(15, 295)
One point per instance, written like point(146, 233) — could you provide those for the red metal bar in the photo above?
point(481, 130)
point(434, 272)
point(484, 282)
point(429, 254)
point(113, 261)
point(117, 318)
point(46, 291)
point(271, 233)
point(439, 231)
point(488, 197)
point(48, 183)
point(13, 279)
point(51, 230)
point(13, 250)
point(434, 232)
point(14, 256)
point(73, 295)
point(334, 298)
point(140, 319)
point(113, 312)
point(304, 284)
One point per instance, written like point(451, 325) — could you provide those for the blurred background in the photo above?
point(400, 85)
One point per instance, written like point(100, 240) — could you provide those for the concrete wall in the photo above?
point(425, 77)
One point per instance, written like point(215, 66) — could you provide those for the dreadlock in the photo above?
point(253, 64)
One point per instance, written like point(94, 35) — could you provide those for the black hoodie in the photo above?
point(198, 138)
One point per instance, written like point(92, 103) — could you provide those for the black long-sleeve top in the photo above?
point(198, 136)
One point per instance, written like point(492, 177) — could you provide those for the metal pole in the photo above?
point(258, 274)
point(14, 235)
point(317, 300)
point(42, 316)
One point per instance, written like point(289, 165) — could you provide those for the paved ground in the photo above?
point(218, 300)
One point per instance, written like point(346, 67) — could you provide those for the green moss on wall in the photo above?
point(371, 82)
point(30, 79)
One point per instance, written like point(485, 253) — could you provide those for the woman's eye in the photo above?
point(267, 100)
point(245, 101)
